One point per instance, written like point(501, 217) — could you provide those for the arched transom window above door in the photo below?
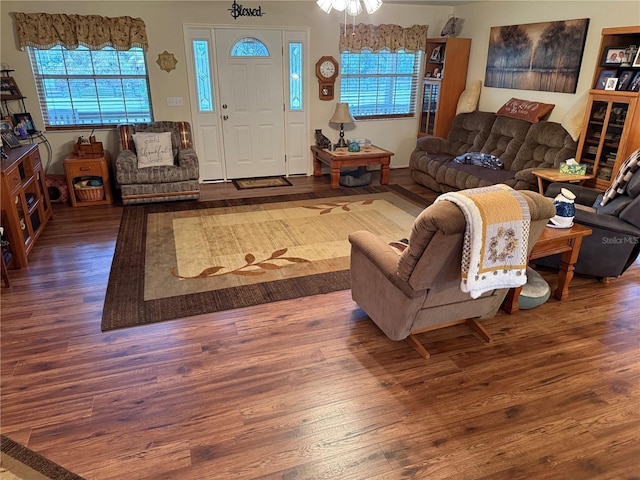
point(249, 47)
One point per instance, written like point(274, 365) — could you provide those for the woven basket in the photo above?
point(89, 194)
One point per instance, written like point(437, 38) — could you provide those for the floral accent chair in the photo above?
point(176, 178)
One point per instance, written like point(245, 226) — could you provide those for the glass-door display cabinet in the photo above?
point(611, 126)
point(604, 133)
point(26, 207)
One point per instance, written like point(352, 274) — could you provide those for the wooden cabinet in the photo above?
point(611, 128)
point(26, 207)
point(446, 62)
point(88, 166)
point(605, 135)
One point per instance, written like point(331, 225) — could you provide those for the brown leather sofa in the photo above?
point(419, 289)
point(522, 146)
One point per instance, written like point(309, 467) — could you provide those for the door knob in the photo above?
point(225, 117)
point(224, 105)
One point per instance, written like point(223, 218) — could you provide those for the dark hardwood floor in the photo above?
point(310, 388)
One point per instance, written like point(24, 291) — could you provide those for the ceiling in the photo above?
point(450, 3)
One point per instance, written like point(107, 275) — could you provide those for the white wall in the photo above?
point(165, 19)
point(480, 17)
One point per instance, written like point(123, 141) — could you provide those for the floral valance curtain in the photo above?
point(44, 30)
point(355, 38)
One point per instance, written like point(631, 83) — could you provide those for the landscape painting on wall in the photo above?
point(536, 56)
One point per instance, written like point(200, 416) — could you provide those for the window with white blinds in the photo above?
point(381, 84)
point(91, 88)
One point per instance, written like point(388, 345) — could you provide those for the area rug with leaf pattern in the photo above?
point(20, 462)
point(180, 259)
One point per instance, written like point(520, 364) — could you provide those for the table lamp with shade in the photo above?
point(342, 116)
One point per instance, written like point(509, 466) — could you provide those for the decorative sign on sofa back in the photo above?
point(536, 56)
point(525, 110)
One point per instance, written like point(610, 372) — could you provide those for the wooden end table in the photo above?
point(566, 241)
point(554, 175)
point(342, 157)
point(88, 165)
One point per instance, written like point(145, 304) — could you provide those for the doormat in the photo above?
point(247, 183)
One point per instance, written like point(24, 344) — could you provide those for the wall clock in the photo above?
point(327, 72)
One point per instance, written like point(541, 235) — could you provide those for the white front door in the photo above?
point(205, 116)
point(251, 104)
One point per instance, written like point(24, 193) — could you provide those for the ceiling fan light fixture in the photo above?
point(325, 5)
point(353, 7)
point(372, 5)
point(339, 5)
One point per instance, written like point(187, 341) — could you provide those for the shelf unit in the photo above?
point(446, 63)
point(37, 137)
point(26, 207)
point(611, 126)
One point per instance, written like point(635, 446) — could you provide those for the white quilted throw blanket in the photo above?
point(495, 243)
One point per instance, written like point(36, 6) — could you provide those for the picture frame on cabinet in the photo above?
point(602, 79)
point(614, 56)
point(611, 83)
point(436, 54)
point(5, 124)
point(25, 120)
point(624, 80)
point(636, 61)
point(9, 139)
point(634, 86)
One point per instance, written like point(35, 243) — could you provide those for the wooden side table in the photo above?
point(88, 165)
point(566, 241)
point(341, 157)
point(554, 175)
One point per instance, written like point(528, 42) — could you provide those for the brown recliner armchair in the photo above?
point(410, 294)
point(178, 181)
